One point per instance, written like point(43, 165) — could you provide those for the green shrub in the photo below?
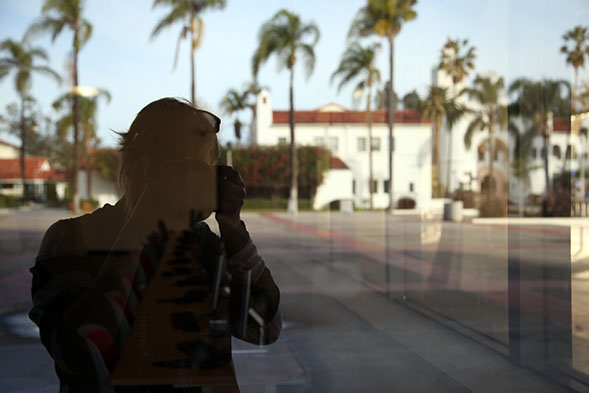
point(558, 203)
point(493, 207)
point(9, 201)
point(467, 198)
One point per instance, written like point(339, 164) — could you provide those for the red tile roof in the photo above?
point(10, 169)
point(336, 163)
point(560, 124)
point(349, 117)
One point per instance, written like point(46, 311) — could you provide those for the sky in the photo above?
point(513, 38)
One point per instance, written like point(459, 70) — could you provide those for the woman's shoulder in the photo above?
point(70, 236)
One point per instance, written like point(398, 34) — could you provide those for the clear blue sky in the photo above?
point(513, 38)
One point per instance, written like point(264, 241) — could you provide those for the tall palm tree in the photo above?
point(385, 18)
point(456, 59)
point(289, 38)
point(20, 58)
point(87, 120)
point(233, 103)
point(358, 63)
point(55, 16)
point(536, 102)
point(489, 114)
point(187, 13)
point(575, 55)
point(436, 106)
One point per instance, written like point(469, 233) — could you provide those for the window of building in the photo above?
point(533, 153)
point(282, 141)
point(374, 186)
point(354, 187)
point(556, 151)
point(375, 143)
point(543, 153)
point(318, 141)
point(386, 185)
point(568, 153)
point(332, 143)
point(411, 188)
point(361, 143)
point(481, 156)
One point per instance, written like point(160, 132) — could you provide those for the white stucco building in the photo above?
point(567, 151)
point(345, 134)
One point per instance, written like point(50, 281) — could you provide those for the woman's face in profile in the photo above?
point(197, 138)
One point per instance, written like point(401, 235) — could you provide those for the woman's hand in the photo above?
point(231, 196)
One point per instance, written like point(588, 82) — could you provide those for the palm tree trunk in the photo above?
point(546, 163)
point(192, 65)
point(370, 169)
point(192, 83)
point(491, 185)
point(391, 115)
point(293, 200)
point(436, 158)
point(75, 109)
point(574, 91)
point(22, 148)
point(449, 165)
point(88, 163)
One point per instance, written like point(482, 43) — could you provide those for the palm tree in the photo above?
point(535, 103)
point(455, 62)
point(88, 108)
point(233, 103)
point(575, 55)
point(439, 105)
point(381, 97)
point(285, 35)
point(358, 63)
point(21, 59)
point(384, 18)
point(55, 16)
point(456, 59)
point(188, 14)
point(520, 164)
point(411, 100)
point(490, 113)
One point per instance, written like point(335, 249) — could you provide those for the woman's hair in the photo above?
point(154, 139)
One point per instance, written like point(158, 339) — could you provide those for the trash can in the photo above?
point(453, 211)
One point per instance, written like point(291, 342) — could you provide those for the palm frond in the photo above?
point(476, 125)
point(47, 71)
point(84, 33)
point(309, 58)
point(182, 35)
point(175, 15)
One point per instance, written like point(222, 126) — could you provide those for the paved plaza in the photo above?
point(370, 303)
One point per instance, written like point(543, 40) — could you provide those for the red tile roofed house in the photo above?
point(41, 180)
point(345, 133)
